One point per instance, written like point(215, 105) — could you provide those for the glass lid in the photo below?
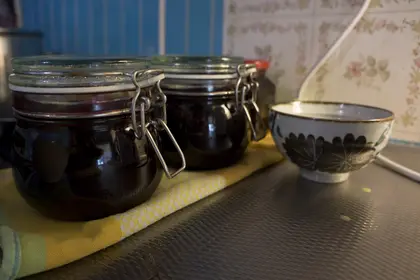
point(81, 74)
point(194, 67)
point(58, 64)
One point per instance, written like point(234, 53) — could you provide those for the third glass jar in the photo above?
point(211, 108)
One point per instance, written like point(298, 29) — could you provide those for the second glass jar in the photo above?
point(211, 108)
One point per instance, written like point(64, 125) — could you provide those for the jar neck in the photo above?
point(124, 120)
point(226, 97)
point(73, 106)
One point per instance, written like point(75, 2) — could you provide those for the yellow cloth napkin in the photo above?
point(32, 243)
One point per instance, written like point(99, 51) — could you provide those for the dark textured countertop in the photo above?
point(275, 225)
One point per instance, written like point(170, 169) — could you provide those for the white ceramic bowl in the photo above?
point(328, 140)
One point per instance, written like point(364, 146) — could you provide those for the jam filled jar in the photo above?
point(87, 142)
point(211, 108)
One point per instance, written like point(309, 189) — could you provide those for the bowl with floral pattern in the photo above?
point(328, 140)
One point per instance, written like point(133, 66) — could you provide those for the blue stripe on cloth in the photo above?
point(10, 245)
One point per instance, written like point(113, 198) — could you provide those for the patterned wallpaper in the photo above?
point(379, 64)
point(125, 27)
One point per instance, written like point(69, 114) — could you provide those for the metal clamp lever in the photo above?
point(258, 128)
point(145, 104)
point(152, 141)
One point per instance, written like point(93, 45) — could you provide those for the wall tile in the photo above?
point(132, 27)
point(199, 28)
point(150, 25)
point(30, 16)
point(113, 30)
point(376, 6)
point(394, 5)
point(176, 31)
point(379, 66)
point(327, 30)
point(54, 21)
point(328, 7)
point(125, 27)
point(285, 42)
point(217, 48)
point(268, 8)
point(278, 30)
point(66, 25)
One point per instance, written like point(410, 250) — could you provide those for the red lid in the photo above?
point(259, 63)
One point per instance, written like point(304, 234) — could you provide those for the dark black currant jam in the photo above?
point(211, 131)
point(6, 132)
point(83, 169)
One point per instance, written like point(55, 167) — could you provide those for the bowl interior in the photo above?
point(342, 112)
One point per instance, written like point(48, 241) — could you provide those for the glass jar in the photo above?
point(87, 142)
point(211, 107)
point(267, 89)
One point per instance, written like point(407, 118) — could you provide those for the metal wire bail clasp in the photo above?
point(145, 105)
point(152, 78)
point(245, 85)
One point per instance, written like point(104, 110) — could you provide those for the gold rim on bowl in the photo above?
point(391, 116)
